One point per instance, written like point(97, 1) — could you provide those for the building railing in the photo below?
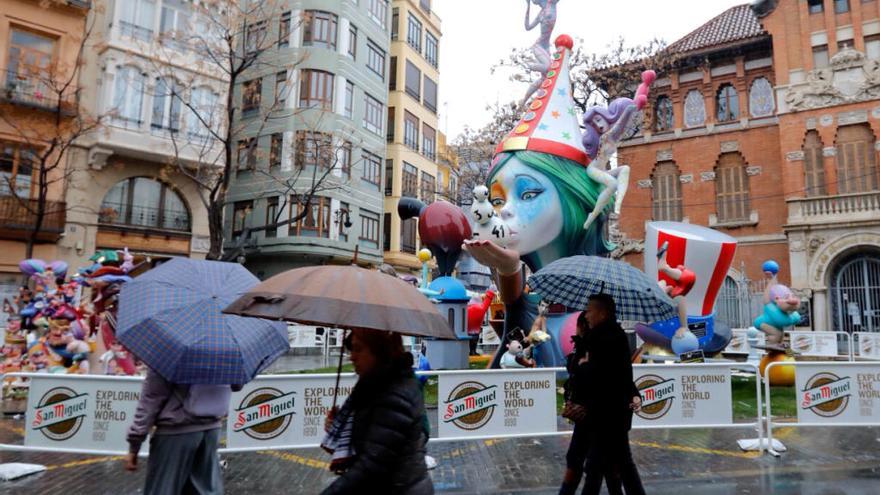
point(20, 214)
point(31, 90)
point(842, 207)
point(143, 217)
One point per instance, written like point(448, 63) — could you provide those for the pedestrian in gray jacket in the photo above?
point(183, 446)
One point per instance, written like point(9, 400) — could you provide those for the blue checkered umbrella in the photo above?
point(170, 318)
point(571, 281)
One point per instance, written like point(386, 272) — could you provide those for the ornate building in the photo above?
point(767, 130)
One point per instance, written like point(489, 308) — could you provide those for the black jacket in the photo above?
point(388, 436)
point(604, 384)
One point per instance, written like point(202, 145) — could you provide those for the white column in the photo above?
point(339, 91)
point(344, 36)
point(821, 321)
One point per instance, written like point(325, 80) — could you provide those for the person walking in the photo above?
point(377, 438)
point(603, 386)
point(183, 447)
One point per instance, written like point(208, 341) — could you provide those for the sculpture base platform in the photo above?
point(448, 354)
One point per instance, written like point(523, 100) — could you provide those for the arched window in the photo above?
point(666, 192)
point(761, 102)
point(166, 105)
point(694, 109)
point(146, 203)
point(726, 104)
point(128, 95)
point(731, 188)
point(814, 168)
point(856, 159)
point(663, 114)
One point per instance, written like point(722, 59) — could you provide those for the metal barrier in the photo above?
point(866, 346)
point(821, 344)
point(825, 394)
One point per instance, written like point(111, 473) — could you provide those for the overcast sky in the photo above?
point(479, 33)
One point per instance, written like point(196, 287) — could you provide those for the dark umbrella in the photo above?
point(346, 297)
point(171, 319)
point(571, 281)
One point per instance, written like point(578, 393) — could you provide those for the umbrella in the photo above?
point(171, 319)
point(571, 281)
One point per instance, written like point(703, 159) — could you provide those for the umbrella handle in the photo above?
point(339, 368)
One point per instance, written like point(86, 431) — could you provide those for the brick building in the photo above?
point(767, 130)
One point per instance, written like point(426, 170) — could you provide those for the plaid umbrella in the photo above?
point(171, 318)
point(571, 281)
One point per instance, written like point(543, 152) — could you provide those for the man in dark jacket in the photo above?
point(610, 397)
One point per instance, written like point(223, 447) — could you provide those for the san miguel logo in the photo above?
point(264, 413)
point(657, 395)
point(470, 405)
point(59, 413)
point(826, 394)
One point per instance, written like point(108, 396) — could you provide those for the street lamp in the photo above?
point(346, 223)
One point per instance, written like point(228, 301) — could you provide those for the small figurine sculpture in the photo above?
point(487, 224)
point(779, 312)
point(541, 49)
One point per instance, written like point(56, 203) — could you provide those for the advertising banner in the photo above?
point(683, 395)
point(813, 343)
point(739, 342)
point(867, 345)
point(283, 410)
point(80, 412)
point(489, 403)
point(829, 393)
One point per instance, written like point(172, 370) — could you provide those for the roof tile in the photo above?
point(734, 24)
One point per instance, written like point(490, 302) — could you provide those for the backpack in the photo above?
point(206, 401)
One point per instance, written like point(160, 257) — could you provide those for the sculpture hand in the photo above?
point(504, 260)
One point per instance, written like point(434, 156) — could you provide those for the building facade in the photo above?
point(412, 166)
point(327, 129)
point(767, 130)
point(126, 188)
point(39, 48)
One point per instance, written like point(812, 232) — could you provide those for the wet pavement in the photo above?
point(820, 461)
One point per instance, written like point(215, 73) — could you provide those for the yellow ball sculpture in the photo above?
point(425, 255)
point(780, 376)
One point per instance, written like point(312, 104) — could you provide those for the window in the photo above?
point(431, 49)
point(319, 29)
point(761, 102)
point(413, 81)
point(372, 114)
point(841, 6)
point(694, 109)
point(872, 46)
point(345, 159)
point(395, 24)
point(247, 154)
point(430, 100)
point(241, 213)
point(200, 118)
point(408, 236)
point(174, 22)
point(281, 90)
point(352, 41)
point(276, 150)
point(256, 38)
point(666, 193)
point(815, 6)
point(663, 114)
point(453, 189)
point(314, 149)
point(727, 104)
point(316, 89)
point(128, 91)
point(732, 188)
point(392, 76)
point(341, 231)
point(251, 96)
point(820, 56)
point(389, 177)
point(284, 30)
point(166, 105)
point(376, 59)
point(369, 230)
point(429, 141)
point(16, 170)
point(271, 217)
point(814, 165)
point(414, 33)
point(143, 202)
point(378, 10)
point(136, 18)
point(389, 129)
point(410, 181)
point(349, 99)
point(316, 220)
point(844, 44)
point(386, 233)
point(372, 169)
point(428, 187)
point(410, 131)
point(856, 159)
point(30, 57)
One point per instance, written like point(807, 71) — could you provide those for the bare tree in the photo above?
point(54, 121)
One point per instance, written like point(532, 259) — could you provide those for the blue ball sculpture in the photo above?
point(770, 266)
point(686, 343)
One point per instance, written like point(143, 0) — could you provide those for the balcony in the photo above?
point(32, 91)
point(143, 217)
point(839, 209)
point(17, 218)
